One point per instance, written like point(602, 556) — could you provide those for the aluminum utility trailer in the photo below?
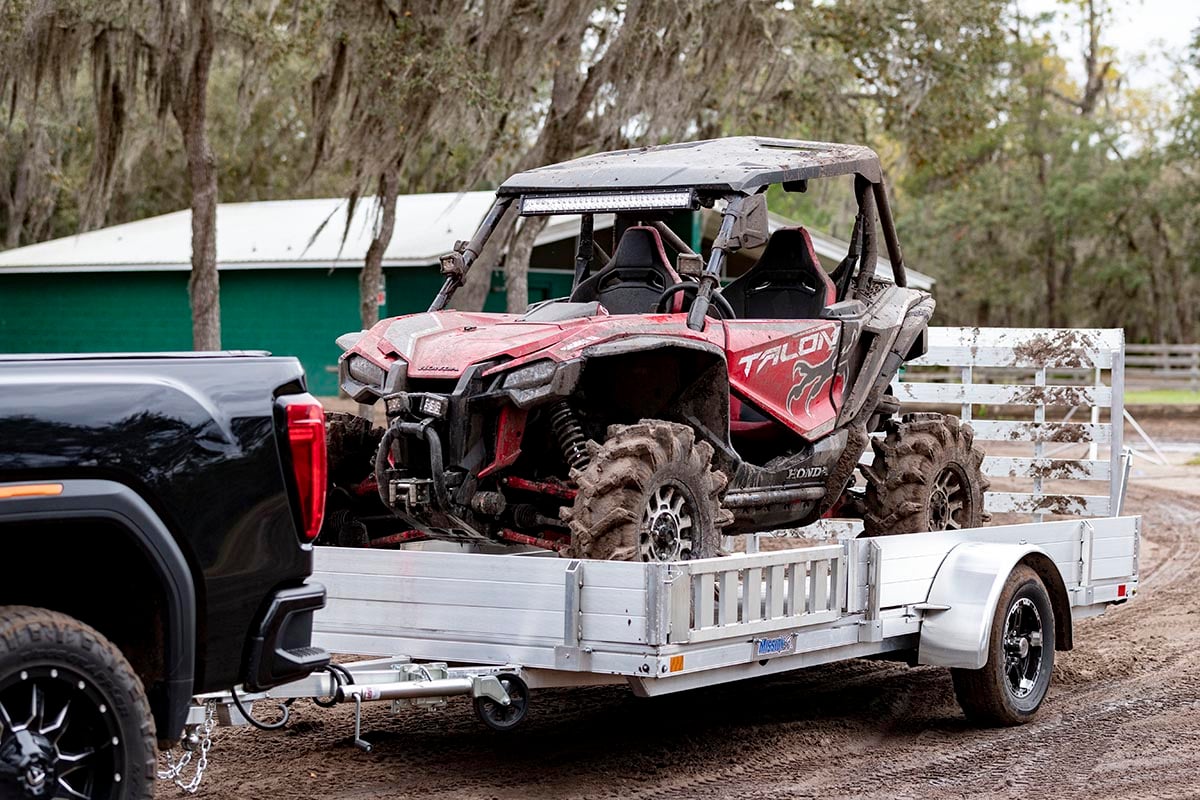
point(525, 622)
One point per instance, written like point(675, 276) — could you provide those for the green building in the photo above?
point(289, 282)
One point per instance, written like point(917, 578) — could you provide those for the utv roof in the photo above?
point(738, 164)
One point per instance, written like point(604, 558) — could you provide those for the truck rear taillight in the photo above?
point(306, 436)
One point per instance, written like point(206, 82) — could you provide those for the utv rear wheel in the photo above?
point(925, 477)
point(649, 494)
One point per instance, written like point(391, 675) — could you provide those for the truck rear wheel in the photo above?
point(74, 720)
point(926, 476)
point(649, 494)
point(1011, 686)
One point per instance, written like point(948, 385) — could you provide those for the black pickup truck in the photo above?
point(156, 520)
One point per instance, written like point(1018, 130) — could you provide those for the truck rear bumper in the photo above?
point(282, 650)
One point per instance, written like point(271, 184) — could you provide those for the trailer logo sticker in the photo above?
point(772, 646)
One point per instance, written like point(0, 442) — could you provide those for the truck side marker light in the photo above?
point(31, 490)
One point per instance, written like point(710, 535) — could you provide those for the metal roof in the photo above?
point(738, 164)
point(274, 234)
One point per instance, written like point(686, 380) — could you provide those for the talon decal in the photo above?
point(793, 373)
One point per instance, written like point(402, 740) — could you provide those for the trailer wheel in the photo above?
point(1012, 684)
point(926, 476)
point(74, 720)
point(650, 493)
point(504, 718)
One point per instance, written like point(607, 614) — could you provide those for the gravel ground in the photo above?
point(1122, 719)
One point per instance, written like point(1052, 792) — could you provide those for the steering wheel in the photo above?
point(719, 304)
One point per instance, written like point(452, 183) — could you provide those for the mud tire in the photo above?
point(901, 482)
point(984, 694)
point(38, 639)
point(350, 445)
point(633, 463)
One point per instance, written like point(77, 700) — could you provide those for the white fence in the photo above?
point(1167, 366)
point(1023, 376)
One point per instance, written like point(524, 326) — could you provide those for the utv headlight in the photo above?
point(530, 375)
point(366, 372)
point(536, 382)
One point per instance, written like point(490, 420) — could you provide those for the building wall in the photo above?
point(297, 312)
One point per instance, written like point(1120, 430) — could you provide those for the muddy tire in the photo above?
point(925, 477)
point(649, 494)
point(1011, 686)
point(74, 720)
point(350, 444)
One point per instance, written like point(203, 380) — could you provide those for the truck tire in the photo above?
point(1012, 684)
point(925, 477)
point(649, 494)
point(74, 720)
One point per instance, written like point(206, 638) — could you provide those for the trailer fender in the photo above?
point(961, 604)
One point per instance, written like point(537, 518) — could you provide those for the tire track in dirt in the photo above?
point(1123, 717)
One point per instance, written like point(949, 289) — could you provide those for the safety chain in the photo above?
point(192, 744)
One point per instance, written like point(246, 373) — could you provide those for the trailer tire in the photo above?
point(649, 493)
point(87, 698)
point(1011, 686)
point(926, 476)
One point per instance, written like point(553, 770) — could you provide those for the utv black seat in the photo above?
point(787, 281)
point(631, 282)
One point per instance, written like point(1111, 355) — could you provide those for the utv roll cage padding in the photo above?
point(88, 499)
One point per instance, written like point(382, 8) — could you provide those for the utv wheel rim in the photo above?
point(949, 500)
point(59, 737)
point(667, 525)
point(1022, 648)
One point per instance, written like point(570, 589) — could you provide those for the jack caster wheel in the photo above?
point(504, 718)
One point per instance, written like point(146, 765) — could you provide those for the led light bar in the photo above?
point(677, 199)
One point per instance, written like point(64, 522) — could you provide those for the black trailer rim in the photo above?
point(59, 736)
point(1023, 642)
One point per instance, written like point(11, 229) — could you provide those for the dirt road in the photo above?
point(1122, 720)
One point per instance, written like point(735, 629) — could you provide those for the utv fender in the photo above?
point(702, 391)
point(957, 629)
point(114, 502)
point(642, 344)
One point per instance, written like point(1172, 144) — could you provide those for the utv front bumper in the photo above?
point(412, 495)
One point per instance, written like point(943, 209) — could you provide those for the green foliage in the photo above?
point(1033, 198)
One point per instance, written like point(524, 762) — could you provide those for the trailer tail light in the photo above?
point(306, 436)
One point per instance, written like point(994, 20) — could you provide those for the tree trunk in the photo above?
point(204, 287)
point(371, 277)
point(516, 266)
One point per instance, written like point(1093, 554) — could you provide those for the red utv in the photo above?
point(652, 410)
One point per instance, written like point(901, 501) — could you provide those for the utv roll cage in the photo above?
point(680, 177)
